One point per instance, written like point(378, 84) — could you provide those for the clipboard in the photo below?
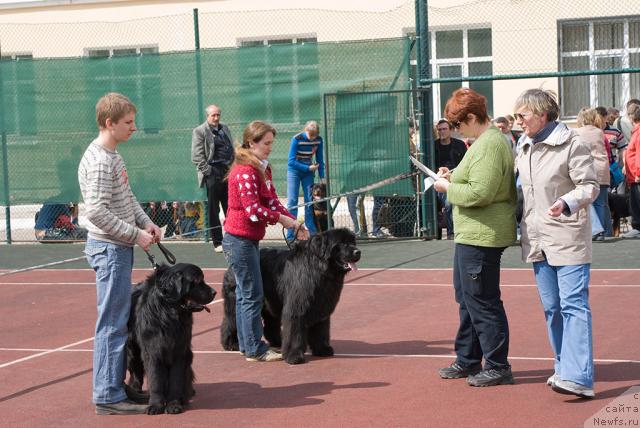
point(424, 169)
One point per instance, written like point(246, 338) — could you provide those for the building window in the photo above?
point(456, 53)
point(133, 71)
point(598, 45)
point(18, 93)
point(279, 78)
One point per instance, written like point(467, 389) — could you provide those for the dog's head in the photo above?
point(337, 247)
point(184, 284)
point(319, 191)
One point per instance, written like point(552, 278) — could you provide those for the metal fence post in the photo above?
point(5, 161)
point(5, 173)
point(426, 112)
point(196, 30)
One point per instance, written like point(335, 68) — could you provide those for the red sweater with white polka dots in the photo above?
point(253, 203)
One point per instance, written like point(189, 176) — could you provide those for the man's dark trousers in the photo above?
point(217, 194)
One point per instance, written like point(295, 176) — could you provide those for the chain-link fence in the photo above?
point(277, 65)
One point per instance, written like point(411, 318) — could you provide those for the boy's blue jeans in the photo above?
point(564, 293)
point(243, 257)
point(294, 180)
point(112, 264)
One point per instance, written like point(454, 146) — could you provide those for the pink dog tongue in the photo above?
point(353, 266)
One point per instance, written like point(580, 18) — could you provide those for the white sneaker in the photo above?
point(266, 357)
point(633, 233)
point(218, 249)
point(572, 388)
point(553, 379)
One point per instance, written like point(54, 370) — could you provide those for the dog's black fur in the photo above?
point(619, 206)
point(320, 211)
point(159, 342)
point(301, 289)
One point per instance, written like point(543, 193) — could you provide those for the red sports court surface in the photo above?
point(391, 331)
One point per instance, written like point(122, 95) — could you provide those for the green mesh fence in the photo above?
point(51, 75)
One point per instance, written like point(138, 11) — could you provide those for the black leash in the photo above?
point(168, 255)
point(295, 235)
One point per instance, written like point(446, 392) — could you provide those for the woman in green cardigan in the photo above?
point(482, 191)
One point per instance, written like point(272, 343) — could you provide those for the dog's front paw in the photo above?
point(155, 409)
point(295, 359)
point(174, 407)
point(326, 351)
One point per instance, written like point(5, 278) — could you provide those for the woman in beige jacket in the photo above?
point(591, 132)
point(558, 182)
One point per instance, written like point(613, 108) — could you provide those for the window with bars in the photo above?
point(457, 53)
point(466, 52)
point(18, 87)
point(133, 71)
point(279, 78)
point(598, 45)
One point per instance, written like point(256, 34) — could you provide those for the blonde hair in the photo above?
point(539, 101)
point(113, 106)
point(589, 116)
point(311, 125)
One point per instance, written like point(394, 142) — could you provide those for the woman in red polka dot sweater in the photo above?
point(253, 203)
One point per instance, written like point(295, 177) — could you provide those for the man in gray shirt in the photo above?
point(212, 153)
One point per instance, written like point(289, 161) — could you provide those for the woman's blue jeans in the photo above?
point(564, 293)
point(112, 264)
point(243, 257)
point(294, 180)
point(601, 205)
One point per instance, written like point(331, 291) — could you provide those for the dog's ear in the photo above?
point(319, 246)
point(173, 285)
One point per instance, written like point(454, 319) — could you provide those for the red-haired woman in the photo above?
point(253, 203)
point(482, 191)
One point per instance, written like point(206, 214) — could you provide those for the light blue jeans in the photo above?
point(564, 293)
point(601, 205)
point(352, 204)
point(112, 264)
point(243, 257)
point(294, 180)
point(378, 202)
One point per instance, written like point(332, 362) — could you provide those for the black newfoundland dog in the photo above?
point(302, 287)
point(159, 342)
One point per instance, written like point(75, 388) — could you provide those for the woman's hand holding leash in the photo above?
point(301, 232)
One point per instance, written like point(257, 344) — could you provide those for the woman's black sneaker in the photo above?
point(457, 371)
point(491, 377)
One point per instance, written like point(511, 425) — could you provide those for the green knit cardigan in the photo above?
point(483, 193)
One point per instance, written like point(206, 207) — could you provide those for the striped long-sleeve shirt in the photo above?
point(113, 212)
point(301, 153)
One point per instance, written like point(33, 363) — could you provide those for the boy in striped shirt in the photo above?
point(116, 223)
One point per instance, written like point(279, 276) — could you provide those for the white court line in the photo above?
point(597, 360)
point(69, 283)
point(529, 269)
point(382, 284)
point(44, 353)
point(62, 348)
point(424, 284)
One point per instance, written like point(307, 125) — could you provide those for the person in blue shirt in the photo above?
point(306, 156)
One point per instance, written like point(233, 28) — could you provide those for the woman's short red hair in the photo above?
point(463, 102)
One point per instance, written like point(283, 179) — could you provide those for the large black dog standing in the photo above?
point(159, 342)
point(301, 289)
